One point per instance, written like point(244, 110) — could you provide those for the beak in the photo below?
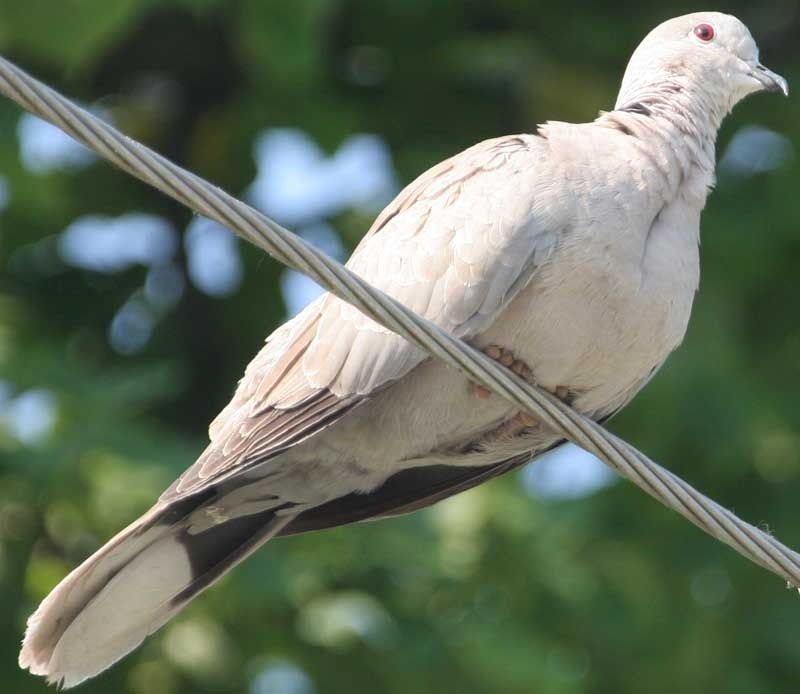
point(771, 81)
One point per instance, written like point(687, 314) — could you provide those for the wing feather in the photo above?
point(455, 246)
point(405, 492)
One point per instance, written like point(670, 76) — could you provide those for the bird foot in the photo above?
point(523, 421)
point(518, 424)
point(506, 358)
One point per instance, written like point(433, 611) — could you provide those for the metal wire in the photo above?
point(206, 199)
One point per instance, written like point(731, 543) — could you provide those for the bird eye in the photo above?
point(704, 32)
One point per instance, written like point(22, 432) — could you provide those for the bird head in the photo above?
point(710, 54)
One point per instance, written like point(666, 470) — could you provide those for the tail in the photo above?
point(132, 586)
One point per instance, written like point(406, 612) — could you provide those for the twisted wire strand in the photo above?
point(204, 198)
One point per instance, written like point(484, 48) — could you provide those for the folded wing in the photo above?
point(455, 246)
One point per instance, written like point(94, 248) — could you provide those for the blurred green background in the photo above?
point(125, 324)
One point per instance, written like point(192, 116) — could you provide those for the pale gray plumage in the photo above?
point(576, 248)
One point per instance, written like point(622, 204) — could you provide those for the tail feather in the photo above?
point(131, 587)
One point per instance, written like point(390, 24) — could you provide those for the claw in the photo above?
point(506, 358)
point(522, 421)
point(493, 352)
point(480, 391)
point(514, 426)
point(520, 368)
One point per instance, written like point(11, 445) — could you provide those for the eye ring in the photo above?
point(704, 32)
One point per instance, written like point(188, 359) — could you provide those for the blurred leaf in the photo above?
point(69, 32)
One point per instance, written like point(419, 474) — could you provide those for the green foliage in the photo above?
point(492, 591)
point(74, 33)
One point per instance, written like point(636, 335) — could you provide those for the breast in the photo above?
point(608, 310)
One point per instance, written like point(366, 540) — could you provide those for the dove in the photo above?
point(569, 254)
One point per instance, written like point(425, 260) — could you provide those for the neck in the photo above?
point(694, 107)
point(679, 114)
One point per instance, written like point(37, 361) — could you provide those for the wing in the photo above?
point(455, 246)
point(405, 492)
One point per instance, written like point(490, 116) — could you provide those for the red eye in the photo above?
point(704, 32)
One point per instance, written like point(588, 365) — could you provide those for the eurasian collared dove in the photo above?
point(570, 255)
